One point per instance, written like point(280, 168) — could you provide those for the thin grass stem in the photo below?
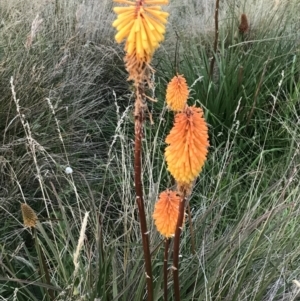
point(193, 249)
point(43, 266)
point(256, 94)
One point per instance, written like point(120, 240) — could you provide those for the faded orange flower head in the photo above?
point(187, 145)
point(29, 217)
point(142, 25)
point(244, 26)
point(177, 93)
point(138, 71)
point(166, 212)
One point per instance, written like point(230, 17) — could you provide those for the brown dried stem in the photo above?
point(167, 243)
point(176, 248)
point(212, 62)
point(138, 187)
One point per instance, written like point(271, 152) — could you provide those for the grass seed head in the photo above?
point(29, 216)
point(177, 93)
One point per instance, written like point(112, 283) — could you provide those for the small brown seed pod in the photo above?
point(29, 216)
point(244, 25)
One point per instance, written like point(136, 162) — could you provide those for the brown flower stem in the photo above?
point(167, 243)
point(139, 190)
point(191, 229)
point(212, 62)
point(176, 249)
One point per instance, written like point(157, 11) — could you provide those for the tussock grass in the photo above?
point(74, 110)
point(78, 75)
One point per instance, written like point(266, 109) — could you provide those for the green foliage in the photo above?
point(73, 95)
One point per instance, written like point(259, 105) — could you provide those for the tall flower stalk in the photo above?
point(185, 155)
point(142, 25)
point(213, 59)
point(186, 152)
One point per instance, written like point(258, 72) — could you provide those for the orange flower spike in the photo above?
point(166, 212)
point(177, 93)
point(188, 143)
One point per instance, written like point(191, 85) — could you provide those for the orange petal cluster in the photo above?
point(187, 145)
point(166, 213)
point(29, 217)
point(177, 93)
point(142, 25)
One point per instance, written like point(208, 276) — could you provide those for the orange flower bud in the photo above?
point(166, 213)
point(177, 93)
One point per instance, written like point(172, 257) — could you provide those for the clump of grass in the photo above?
point(231, 250)
point(78, 75)
point(247, 71)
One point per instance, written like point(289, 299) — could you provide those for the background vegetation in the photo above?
point(75, 109)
